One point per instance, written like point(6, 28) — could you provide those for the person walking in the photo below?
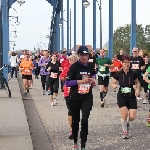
point(81, 79)
point(14, 63)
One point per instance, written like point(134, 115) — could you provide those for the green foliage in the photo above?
point(122, 38)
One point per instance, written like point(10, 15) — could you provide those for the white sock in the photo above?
point(128, 119)
point(124, 125)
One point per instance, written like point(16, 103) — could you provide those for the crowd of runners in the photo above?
point(77, 73)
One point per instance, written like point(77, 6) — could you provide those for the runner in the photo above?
point(103, 64)
point(137, 64)
point(42, 64)
point(26, 67)
point(126, 96)
point(121, 54)
point(53, 68)
point(143, 83)
point(71, 59)
point(117, 65)
point(147, 80)
point(81, 78)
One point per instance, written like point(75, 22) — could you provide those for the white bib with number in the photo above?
point(83, 88)
point(90, 60)
point(101, 68)
point(126, 90)
point(135, 66)
point(27, 71)
point(53, 75)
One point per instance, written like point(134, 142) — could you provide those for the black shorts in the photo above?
point(112, 74)
point(27, 77)
point(103, 81)
point(129, 102)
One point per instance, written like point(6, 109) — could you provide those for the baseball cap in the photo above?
point(83, 50)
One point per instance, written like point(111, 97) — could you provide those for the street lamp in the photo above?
point(15, 36)
point(100, 11)
point(17, 22)
point(20, 2)
point(86, 3)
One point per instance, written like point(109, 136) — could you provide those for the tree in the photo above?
point(122, 37)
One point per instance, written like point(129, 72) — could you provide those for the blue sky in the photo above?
point(35, 18)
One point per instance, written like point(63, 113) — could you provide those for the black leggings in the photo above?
point(85, 106)
point(54, 85)
point(144, 85)
point(43, 80)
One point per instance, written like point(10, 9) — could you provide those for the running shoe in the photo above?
point(102, 104)
point(55, 101)
point(144, 101)
point(52, 103)
point(70, 135)
point(138, 98)
point(25, 94)
point(125, 135)
point(43, 93)
point(148, 122)
point(27, 90)
point(76, 147)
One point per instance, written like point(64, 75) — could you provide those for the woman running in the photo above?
point(53, 67)
point(26, 67)
point(81, 79)
point(72, 59)
point(126, 97)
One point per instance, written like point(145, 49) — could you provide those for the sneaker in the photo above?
point(27, 90)
point(70, 135)
point(148, 122)
point(43, 93)
point(48, 92)
point(25, 94)
point(125, 135)
point(76, 147)
point(138, 98)
point(52, 103)
point(145, 101)
point(55, 101)
point(103, 102)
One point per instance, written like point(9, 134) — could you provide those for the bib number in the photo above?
point(135, 66)
point(53, 75)
point(84, 88)
point(101, 68)
point(90, 60)
point(27, 71)
point(126, 90)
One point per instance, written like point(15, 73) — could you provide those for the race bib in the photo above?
point(90, 60)
point(83, 88)
point(135, 66)
point(53, 75)
point(68, 90)
point(27, 71)
point(61, 60)
point(101, 68)
point(116, 68)
point(126, 90)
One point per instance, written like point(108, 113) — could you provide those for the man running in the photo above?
point(103, 63)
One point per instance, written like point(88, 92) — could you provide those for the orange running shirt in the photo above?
point(117, 65)
point(26, 65)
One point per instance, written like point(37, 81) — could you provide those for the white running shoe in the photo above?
point(52, 103)
point(55, 101)
point(145, 101)
point(138, 98)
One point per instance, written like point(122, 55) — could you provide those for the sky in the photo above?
point(35, 18)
